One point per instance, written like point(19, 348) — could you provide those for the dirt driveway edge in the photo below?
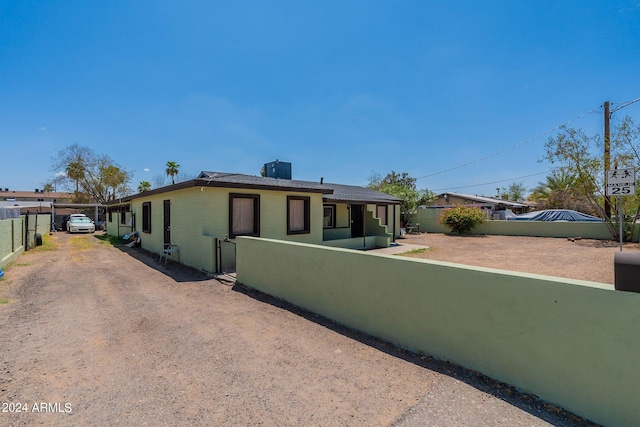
point(125, 340)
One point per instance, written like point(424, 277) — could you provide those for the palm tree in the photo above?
point(559, 192)
point(113, 177)
point(172, 170)
point(75, 171)
point(144, 186)
point(558, 181)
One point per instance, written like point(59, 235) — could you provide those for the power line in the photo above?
point(624, 104)
point(510, 148)
point(494, 182)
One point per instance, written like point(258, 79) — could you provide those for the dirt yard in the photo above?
point(98, 335)
point(583, 259)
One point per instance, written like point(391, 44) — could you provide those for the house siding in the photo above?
point(201, 214)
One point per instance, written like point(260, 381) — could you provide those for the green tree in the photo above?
point(96, 178)
point(48, 187)
point(402, 186)
point(558, 181)
point(172, 170)
point(625, 143)
point(514, 192)
point(462, 219)
point(144, 186)
point(559, 192)
point(113, 178)
point(57, 182)
point(75, 171)
point(580, 156)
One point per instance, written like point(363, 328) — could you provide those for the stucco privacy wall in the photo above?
point(12, 235)
point(43, 225)
point(11, 240)
point(428, 219)
point(572, 343)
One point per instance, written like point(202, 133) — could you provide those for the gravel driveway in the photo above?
point(97, 335)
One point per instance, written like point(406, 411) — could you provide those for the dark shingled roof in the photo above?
point(261, 181)
point(355, 193)
point(331, 192)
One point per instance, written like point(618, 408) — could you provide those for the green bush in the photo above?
point(462, 219)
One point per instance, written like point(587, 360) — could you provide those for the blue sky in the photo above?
point(338, 88)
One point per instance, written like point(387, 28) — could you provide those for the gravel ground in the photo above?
point(583, 259)
point(97, 335)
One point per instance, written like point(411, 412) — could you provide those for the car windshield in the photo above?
point(80, 219)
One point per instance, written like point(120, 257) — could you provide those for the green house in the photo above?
point(196, 216)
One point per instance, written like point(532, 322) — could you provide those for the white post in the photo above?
point(620, 219)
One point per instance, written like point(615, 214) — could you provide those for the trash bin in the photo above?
point(627, 271)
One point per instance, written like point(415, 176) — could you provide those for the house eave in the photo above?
point(217, 184)
point(361, 202)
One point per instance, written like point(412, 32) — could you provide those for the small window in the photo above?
point(298, 215)
point(382, 213)
point(329, 216)
point(244, 215)
point(110, 216)
point(123, 217)
point(146, 217)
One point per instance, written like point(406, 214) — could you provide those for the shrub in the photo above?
point(462, 219)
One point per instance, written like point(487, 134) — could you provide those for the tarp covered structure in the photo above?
point(556, 215)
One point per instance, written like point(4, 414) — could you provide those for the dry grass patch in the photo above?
point(81, 242)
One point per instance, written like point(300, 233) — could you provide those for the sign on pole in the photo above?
point(621, 182)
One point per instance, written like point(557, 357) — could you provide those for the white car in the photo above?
point(80, 225)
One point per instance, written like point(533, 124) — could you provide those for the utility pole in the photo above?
point(607, 154)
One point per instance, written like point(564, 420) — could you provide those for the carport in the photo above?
point(96, 206)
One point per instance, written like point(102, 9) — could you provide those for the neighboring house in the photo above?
point(37, 201)
point(493, 207)
point(33, 196)
point(197, 214)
